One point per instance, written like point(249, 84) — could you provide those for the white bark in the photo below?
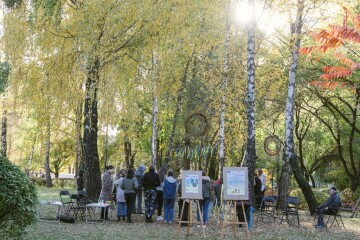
point(155, 113)
point(223, 97)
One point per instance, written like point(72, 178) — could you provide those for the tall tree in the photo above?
point(224, 92)
point(250, 97)
point(289, 149)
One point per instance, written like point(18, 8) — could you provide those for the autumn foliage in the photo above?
point(335, 36)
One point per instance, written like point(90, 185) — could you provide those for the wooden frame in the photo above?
point(236, 183)
point(191, 185)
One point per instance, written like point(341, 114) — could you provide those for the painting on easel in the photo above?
point(236, 183)
point(191, 185)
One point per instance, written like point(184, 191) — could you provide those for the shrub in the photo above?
point(18, 200)
point(64, 183)
point(320, 197)
point(39, 181)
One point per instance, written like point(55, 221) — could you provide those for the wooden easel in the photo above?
point(190, 215)
point(234, 221)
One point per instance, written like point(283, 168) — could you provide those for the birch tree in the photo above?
point(224, 92)
point(289, 156)
point(250, 97)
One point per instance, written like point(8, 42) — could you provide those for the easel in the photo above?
point(234, 218)
point(190, 215)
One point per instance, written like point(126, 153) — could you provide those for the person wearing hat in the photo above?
point(329, 207)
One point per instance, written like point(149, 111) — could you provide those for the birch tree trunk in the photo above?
point(3, 134)
point(47, 156)
point(289, 149)
point(250, 99)
point(155, 112)
point(90, 150)
point(31, 154)
point(223, 96)
point(154, 131)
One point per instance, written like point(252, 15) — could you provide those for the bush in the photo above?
point(18, 200)
point(64, 183)
point(39, 181)
point(319, 194)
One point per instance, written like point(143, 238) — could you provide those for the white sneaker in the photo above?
point(159, 218)
point(198, 225)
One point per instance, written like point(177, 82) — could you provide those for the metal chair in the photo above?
point(66, 201)
point(268, 208)
point(291, 213)
point(356, 209)
point(334, 217)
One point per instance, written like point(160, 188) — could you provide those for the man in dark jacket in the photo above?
point(331, 206)
point(151, 180)
point(205, 203)
point(139, 174)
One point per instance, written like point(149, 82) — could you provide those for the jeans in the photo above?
point(169, 210)
point(130, 202)
point(121, 209)
point(159, 202)
point(139, 201)
point(320, 212)
point(204, 207)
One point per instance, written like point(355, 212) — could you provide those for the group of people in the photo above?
point(160, 188)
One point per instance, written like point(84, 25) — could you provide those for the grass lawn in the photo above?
point(158, 230)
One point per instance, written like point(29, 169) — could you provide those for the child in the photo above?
point(120, 198)
point(169, 197)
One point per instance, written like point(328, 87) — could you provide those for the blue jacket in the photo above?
point(169, 188)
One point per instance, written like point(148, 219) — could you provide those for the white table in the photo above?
point(56, 204)
point(93, 206)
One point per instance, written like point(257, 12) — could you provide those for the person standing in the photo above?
point(120, 197)
point(217, 192)
point(139, 174)
point(205, 203)
point(257, 191)
point(106, 190)
point(159, 192)
point(151, 180)
point(262, 177)
point(330, 206)
point(129, 185)
point(80, 182)
point(169, 197)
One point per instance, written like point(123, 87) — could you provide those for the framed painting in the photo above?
point(191, 184)
point(236, 183)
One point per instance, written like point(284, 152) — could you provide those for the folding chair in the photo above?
point(291, 213)
point(79, 206)
point(334, 217)
point(356, 209)
point(66, 201)
point(268, 208)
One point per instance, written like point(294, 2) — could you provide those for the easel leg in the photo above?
point(234, 225)
point(189, 216)
point(246, 223)
point(201, 217)
point(223, 224)
point(181, 215)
